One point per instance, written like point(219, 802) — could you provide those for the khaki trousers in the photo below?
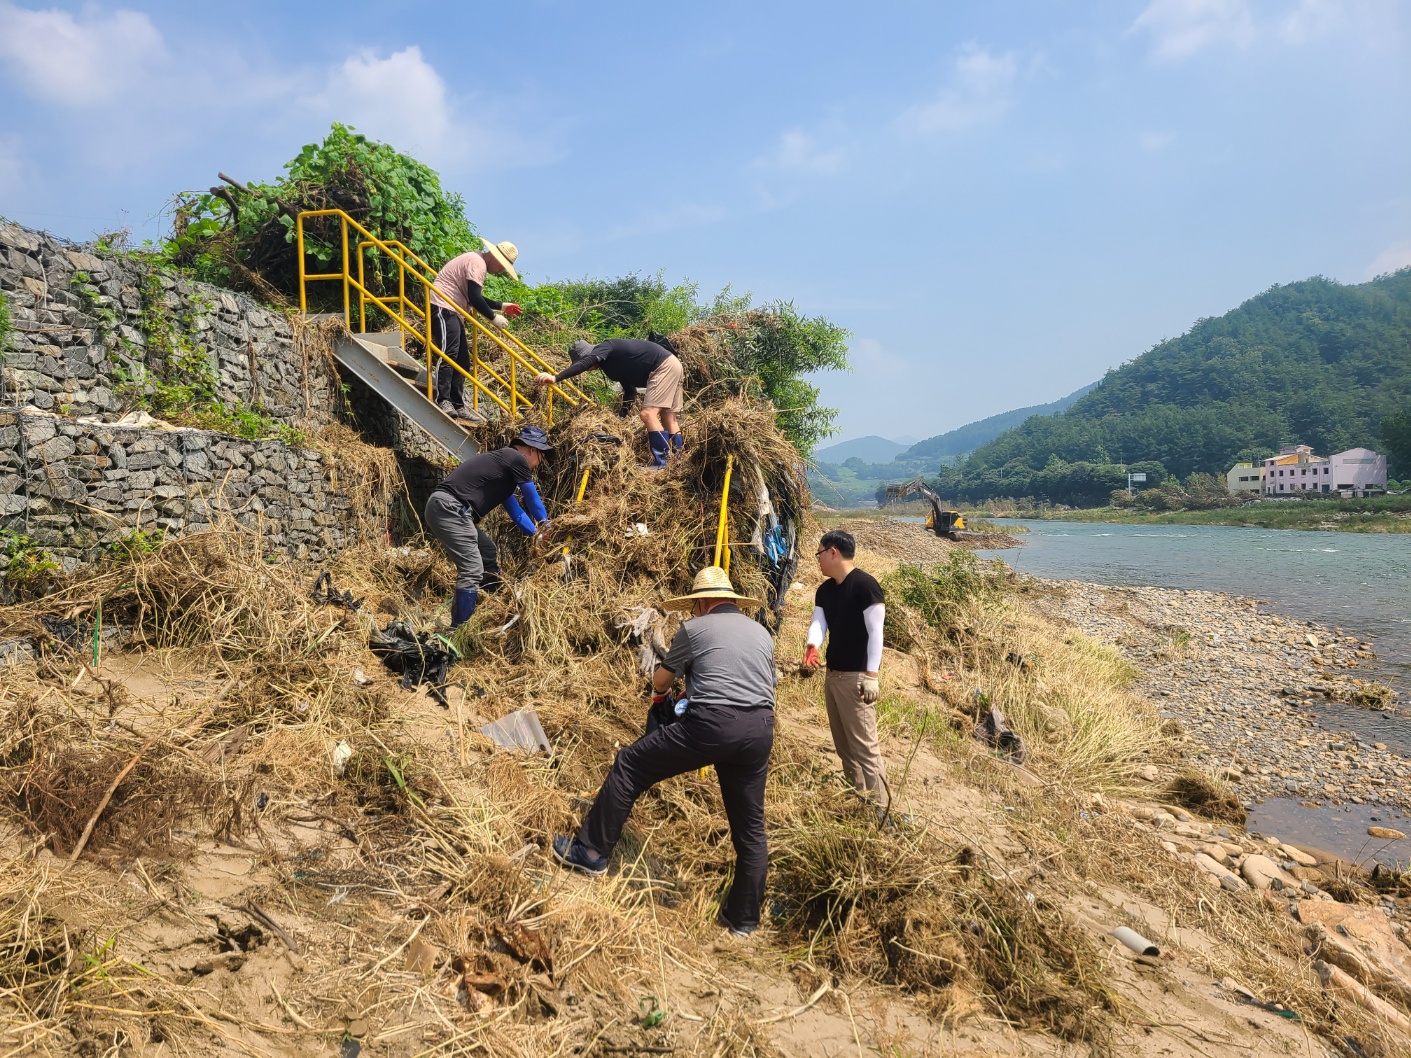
point(854, 726)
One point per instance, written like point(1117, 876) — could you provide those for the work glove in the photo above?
point(871, 688)
point(510, 309)
point(811, 659)
point(543, 532)
point(500, 322)
point(544, 378)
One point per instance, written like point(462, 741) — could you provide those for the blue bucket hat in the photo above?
point(534, 437)
point(579, 349)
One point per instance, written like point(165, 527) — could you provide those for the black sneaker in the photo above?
point(573, 853)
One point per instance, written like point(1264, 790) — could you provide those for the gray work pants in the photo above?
point(469, 547)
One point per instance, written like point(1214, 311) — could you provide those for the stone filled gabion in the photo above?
point(75, 488)
point(77, 334)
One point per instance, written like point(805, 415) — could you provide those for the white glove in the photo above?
point(500, 322)
point(871, 689)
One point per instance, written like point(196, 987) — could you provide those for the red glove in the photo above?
point(510, 309)
point(810, 657)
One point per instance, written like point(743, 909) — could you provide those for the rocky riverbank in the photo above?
point(1260, 696)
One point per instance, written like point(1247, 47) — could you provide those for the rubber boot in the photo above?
point(660, 444)
point(677, 443)
point(462, 606)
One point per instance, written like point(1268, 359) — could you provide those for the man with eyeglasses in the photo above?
point(850, 610)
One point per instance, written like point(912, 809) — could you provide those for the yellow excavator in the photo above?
point(947, 524)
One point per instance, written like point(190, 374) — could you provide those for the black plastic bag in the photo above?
point(421, 657)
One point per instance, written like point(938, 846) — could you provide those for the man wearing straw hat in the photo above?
point(461, 282)
point(636, 364)
point(727, 659)
point(470, 492)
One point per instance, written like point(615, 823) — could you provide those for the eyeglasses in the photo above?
point(820, 554)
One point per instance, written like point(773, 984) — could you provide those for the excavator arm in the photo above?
point(941, 522)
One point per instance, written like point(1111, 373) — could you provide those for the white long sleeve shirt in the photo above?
point(874, 617)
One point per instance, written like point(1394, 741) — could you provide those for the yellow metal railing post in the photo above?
point(347, 293)
point(303, 280)
point(402, 297)
point(722, 527)
point(514, 396)
point(362, 294)
point(475, 366)
point(429, 371)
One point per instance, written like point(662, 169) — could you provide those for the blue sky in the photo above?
point(999, 200)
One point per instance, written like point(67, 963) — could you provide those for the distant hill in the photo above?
point(870, 449)
point(967, 438)
point(1316, 362)
point(882, 460)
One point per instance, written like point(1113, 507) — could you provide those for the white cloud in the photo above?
point(1311, 18)
point(400, 99)
point(979, 90)
point(1180, 28)
point(1393, 258)
point(1156, 141)
point(78, 61)
point(799, 152)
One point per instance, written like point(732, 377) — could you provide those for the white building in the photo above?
point(1296, 471)
point(1244, 479)
point(1359, 471)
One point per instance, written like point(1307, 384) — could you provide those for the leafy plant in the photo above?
point(250, 245)
point(27, 564)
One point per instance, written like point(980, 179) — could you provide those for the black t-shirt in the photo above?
point(485, 481)
point(842, 608)
point(629, 361)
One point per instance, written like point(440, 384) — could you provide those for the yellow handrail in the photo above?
point(406, 311)
point(428, 277)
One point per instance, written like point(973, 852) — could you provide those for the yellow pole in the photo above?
point(514, 395)
point(362, 293)
point(475, 366)
point(429, 371)
point(720, 530)
point(347, 292)
point(303, 290)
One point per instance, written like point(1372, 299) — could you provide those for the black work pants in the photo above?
point(448, 333)
point(737, 742)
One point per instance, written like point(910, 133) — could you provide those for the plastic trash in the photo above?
point(681, 706)
point(1135, 941)
point(342, 754)
point(519, 730)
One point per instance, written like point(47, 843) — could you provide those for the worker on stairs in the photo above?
point(636, 363)
point(470, 492)
point(461, 282)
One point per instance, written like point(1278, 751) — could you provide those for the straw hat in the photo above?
point(507, 253)
point(710, 583)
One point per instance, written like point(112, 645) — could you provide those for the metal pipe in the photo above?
point(303, 277)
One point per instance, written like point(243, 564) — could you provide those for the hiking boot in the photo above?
point(466, 413)
point(574, 854)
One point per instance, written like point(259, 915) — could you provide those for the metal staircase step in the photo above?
point(366, 360)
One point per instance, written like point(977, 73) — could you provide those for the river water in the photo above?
point(1359, 582)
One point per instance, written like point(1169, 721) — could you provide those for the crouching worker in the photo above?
point(470, 492)
point(727, 659)
point(636, 364)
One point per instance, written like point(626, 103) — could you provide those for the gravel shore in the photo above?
point(1260, 695)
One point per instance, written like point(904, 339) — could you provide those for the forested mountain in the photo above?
point(967, 438)
point(1315, 362)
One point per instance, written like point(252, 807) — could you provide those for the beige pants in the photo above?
point(664, 388)
point(854, 726)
